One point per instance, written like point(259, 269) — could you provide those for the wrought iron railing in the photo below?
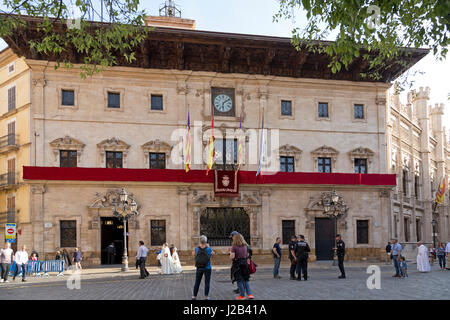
point(9, 140)
point(10, 178)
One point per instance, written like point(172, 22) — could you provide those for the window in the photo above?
point(68, 229)
point(417, 186)
point(418, 230)
point(156, 102)
point(157, 232)
point(157, 160)
point(362, 231)
point(68, 98)
point(114, 159)
point(11, 209)
point(406, 225)
point(114, 100)
point(11, 165)
point(227, 147)
point(358, 111)
point(395, 226)
point(68, 158)
point(286, 164)
point(360, 165)
point(286, 108)
point(288, 230)
point(323, 109)
point(324, 165)
point(11, 133)
point(12, 98)
point(405, 182)
point(11, 68)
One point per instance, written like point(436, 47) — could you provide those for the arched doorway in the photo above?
point(218, 223)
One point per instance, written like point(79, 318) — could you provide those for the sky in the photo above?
point(256, 17)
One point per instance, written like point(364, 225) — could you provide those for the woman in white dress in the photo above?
point(423, 264)
point(166, 260)
point(176, 262)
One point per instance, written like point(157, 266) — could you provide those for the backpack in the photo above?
point(201, 258)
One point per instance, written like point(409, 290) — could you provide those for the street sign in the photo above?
point(11, 240)
point(10, 231)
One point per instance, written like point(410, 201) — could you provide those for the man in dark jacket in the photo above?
point(301, 255)
point(111, 251)
point(340, 252)
point(292, 246)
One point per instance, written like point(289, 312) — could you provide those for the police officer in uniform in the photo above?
point(292, 246)
point(301, 255)
point(340, 252)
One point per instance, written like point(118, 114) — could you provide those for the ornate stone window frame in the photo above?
point(67, 143)
point(159, 92)
point(292, 100)
point(316, 109)
point(325, 152)
point(148, 233)
point(156, 146)
point(75, 90)
point(121, 91)
point(288, 150)
point(364, 119)
point(113, 144)
point(361, 153)
point(370, 230)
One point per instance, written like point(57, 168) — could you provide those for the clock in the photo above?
point(222, 101)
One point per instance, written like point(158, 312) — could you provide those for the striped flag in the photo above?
point(240, 146)
point(261, 147)
point(440, 192)
point(211, 152)
point(188, 144)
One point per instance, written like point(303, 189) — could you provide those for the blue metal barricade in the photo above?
point(34, 267)
point(53, 266)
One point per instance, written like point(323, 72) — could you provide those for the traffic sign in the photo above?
point(10, 231)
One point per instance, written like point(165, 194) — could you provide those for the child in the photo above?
point(158, 257)
point(403, 267)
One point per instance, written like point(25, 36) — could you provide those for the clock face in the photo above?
point(223, 103)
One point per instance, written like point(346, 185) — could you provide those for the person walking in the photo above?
point(340, 252)
point(6, 258)
point(21, 260)
point(396, 251)
point(441, 255)
point(77, 258)
point(66, 258)
point(111, 252)
point(447, 252)
point(388, 253)
point(239, 268)
point(276, 251)
point(202, 254)
point(142, 257)
point(292, 246)
point(301, 256)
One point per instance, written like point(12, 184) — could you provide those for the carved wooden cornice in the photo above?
point(195, 50)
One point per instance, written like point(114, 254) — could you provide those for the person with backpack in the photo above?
point(202, 255)
point(239, 269)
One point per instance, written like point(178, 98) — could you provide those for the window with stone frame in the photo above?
point(323, 110)
point(324, 165)
point(227, 147)
point(157, 232)
point(286, 108)
point(287, 230)
point(12, 98)
point(157, 160)
point(406, 227)
point(156, 102)
point(287, 164)
point(362, 231)
point(68, 158)
point(417, 186)
point(360, 165)
point(418, 229)
point(358, 111)
point(395, 226)
point(405, 182)
point(68, 233)
point(114, 100)
point(114, 159)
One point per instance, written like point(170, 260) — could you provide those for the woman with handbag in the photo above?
point(239, 269)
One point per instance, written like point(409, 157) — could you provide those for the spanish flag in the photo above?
point(188, 144)
point(440, 192)
point(212, 152)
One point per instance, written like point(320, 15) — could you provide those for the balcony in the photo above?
point(8, 216)
point(8, 143)
point(9, 180)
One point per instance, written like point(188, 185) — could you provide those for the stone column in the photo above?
point(37, 133)
point(37, 218)
point(185, 230)
point(266, 222)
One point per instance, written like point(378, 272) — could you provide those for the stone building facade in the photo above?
point(420, 157)
point(82, 140)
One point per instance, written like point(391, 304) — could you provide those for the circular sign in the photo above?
point(10, 231)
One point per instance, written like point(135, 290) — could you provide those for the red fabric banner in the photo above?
point(199, 176)
point(226, 183)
